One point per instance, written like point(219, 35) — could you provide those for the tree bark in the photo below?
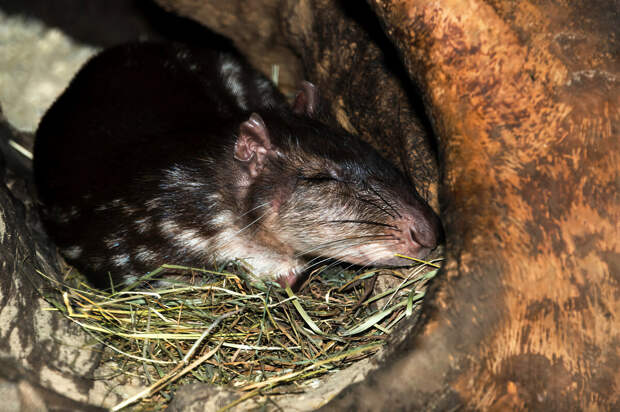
point(523, 99)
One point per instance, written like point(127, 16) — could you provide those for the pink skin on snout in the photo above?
point(417, 232)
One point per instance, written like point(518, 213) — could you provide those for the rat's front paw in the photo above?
point(288, 280)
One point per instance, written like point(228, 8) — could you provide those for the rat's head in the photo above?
point(324, 193)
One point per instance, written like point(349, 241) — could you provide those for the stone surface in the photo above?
point(39, 347)
point(36, 64)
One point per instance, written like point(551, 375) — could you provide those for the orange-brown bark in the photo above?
point(525, 100)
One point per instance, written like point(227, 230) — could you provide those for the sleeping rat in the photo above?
point(166, 153)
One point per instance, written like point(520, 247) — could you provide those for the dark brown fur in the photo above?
point(170, 154)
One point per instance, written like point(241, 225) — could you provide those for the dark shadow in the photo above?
point(363, 15)
point(106, 23)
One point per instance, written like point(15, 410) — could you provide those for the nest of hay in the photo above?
point(221, 327)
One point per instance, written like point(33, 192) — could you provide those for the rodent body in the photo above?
point(160, 153)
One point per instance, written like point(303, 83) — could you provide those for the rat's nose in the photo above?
point(421, 231)
point(423, 235)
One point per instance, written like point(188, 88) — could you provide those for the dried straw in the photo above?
point(224, 329)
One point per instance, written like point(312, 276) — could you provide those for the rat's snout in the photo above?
point(421, 232)
point(424, 234)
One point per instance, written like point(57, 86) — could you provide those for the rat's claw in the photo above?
point(288, 280)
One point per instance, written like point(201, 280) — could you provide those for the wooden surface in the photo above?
point(523, 100)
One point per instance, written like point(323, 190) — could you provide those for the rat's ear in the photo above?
point(253, 144)
point(306, 100)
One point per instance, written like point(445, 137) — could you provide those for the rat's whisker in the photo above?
point(336, 254)
point(384, 201)
point(233, 236)
point(348, 242)
point(364, 200)
point(364, 222)
point(254, 208)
